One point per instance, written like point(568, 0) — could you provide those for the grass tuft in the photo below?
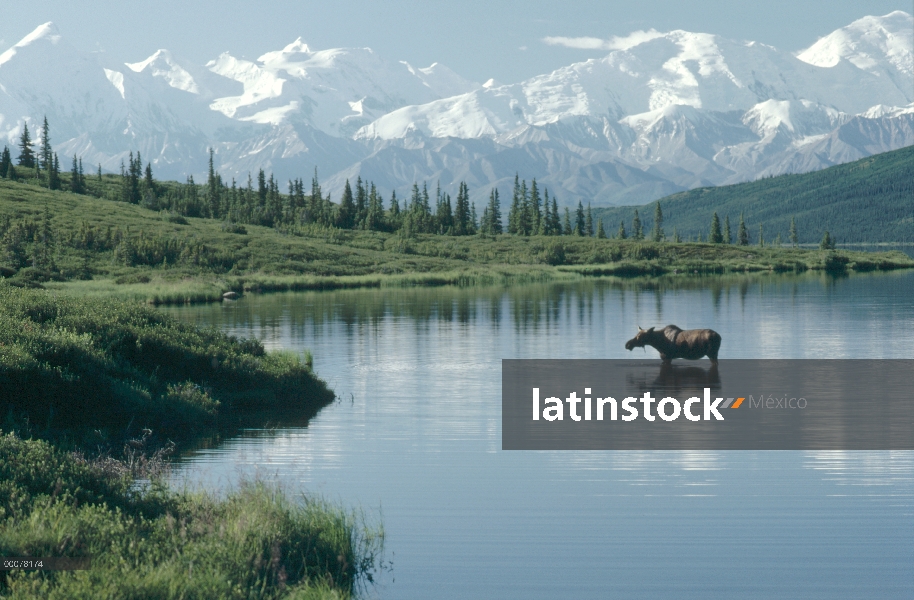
point(157, 543)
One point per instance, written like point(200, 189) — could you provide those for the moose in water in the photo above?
point(672, 342)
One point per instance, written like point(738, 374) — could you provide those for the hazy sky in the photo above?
point(477, 38)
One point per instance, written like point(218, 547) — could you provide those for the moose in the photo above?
point(672, 342)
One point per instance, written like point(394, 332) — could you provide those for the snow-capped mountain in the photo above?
point(334, 91)
point(665, 112)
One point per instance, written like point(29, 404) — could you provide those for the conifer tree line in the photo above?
point(46, 163)
point(261, 201)
point(718, 233)
point(534, 214)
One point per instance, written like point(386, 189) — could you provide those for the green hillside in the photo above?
point(867, 201)
point(103, 245)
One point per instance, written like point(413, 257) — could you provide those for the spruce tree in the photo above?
point(742, 234)
point(621, 235)
point(5, 161)
point(422, 212)
point(536, 213)
point(601, 233)
point(637, 230)
point(588, 222)
point(26, 153)
point(361, 204)
point(393, 215)
point(493, 224)
point(54, 173)
point(676, 237)
point(213, 185)
point(191, 200)
point(728, 237)
point(74, 177)
point(827, 242)
point(444, 213)
point(148, 182)
point(579, 220)
point(514, 210)
point(566, 227)
point(525, 216)
point(462, 216)
point(374, 217)
point(262, 189)
point(555, 225)
point(313, 214)
point(657, 234)
point(46, 157)
point(546, 221)
point(346, 213)
point(130, 180)
point(274, 203)
point(484, 222)
point(716, 237)
point(794, 238)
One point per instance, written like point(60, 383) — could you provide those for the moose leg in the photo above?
point(715, 346)
point(666, 359)
point(712, 354)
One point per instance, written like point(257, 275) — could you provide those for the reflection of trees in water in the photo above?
point(529, 307)
point(716, 293)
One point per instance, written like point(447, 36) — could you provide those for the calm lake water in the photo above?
point(415, 440)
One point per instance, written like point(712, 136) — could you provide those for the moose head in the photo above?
point(640, 340)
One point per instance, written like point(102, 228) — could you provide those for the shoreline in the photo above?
point(698, 260)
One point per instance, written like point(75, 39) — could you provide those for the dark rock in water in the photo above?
point(230, 295)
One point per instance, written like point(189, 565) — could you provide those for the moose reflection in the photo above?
point(672, 342)
point(676, 381)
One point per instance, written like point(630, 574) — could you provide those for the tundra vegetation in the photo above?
point(160, 252)
point(129, 234)
point(153, 542)
point(95, 393)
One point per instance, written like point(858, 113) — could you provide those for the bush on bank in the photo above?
point(155, 543)
point(98, 370)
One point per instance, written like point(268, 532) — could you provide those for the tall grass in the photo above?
point(156, 543)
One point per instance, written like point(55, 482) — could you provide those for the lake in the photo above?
point(415, 441)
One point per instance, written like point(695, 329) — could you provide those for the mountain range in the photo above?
point(659, 114)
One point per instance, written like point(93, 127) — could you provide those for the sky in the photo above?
point(506, 40)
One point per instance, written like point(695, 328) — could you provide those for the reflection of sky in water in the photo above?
point(416, 434)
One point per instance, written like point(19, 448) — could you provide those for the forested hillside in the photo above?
point(870, 200)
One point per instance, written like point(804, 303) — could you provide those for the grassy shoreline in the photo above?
point(646, 259)
point(93, 395)
point(256, 542)
point(95, 247)
point(81, 371)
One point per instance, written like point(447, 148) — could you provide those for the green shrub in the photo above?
point(554, 254)
point(70, 364)
point(156, 543)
